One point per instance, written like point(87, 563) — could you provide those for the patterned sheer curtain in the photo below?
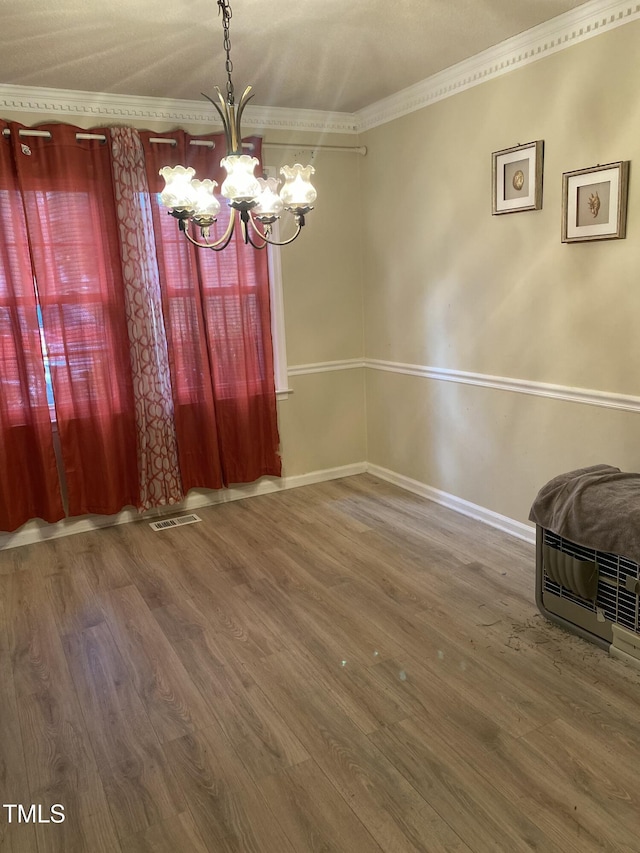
point(160, 481)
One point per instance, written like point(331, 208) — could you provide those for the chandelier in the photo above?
point(256, 202)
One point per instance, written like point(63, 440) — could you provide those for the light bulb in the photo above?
point(297, 192)
point(206, 204)
point(241, 184)
point(270, 205)
point(178, 193)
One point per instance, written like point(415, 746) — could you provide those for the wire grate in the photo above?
point(617, 603)
point(174, 522)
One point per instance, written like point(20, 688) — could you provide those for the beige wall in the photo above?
point(448, 285)
point(322, 423)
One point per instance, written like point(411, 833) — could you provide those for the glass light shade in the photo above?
point(240, 184)
point(178, 193)
point(206, 204)
point(269, 202)
point(297, 190)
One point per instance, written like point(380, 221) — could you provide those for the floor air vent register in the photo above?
point(594, 594)
point(167, 523)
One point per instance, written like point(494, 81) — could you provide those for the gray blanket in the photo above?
point(596, 507)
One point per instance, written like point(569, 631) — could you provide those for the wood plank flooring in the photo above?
point(344, 668)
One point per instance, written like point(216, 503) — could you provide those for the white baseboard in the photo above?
point(265, 486)
point(471, 510)
point(40, 531)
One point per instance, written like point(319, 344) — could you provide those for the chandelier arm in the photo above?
point(245, 220)
point(249, 239)
point(223, 111)
point(220, 244)
point(299, 226)
point(244, 100)
point(285, 242)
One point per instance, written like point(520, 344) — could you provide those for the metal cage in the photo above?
point(594, 611)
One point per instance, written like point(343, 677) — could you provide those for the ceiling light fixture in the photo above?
point(252, 200)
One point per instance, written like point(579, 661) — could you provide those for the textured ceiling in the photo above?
point(331, 55)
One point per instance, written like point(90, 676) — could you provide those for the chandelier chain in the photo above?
point(256, 203)
point(225, 8)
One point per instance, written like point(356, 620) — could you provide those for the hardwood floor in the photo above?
point(344, 668)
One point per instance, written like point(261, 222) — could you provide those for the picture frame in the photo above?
point(516, 178)
point(594, 203)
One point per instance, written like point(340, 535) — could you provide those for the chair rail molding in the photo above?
point(326, 366)
point(567, 393)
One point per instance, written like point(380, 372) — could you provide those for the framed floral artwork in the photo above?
point(517, 178)
point(594, 203)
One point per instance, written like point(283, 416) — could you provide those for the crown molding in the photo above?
point(577, 25)
point(118, 108)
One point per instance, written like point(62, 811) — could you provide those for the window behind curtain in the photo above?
point(217, 313)
point(231, 286)
point(23, 389)
point(80, 304)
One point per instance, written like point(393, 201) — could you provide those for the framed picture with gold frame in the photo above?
point(516, 178)
point(594, 203)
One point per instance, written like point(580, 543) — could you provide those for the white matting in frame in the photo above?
point(517, 178)
point(594, 203)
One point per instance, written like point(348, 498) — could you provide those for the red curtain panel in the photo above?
point(29, 484)
point(217, 314)
point(67, 196)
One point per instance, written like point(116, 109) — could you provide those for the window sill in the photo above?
point(284, 394)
